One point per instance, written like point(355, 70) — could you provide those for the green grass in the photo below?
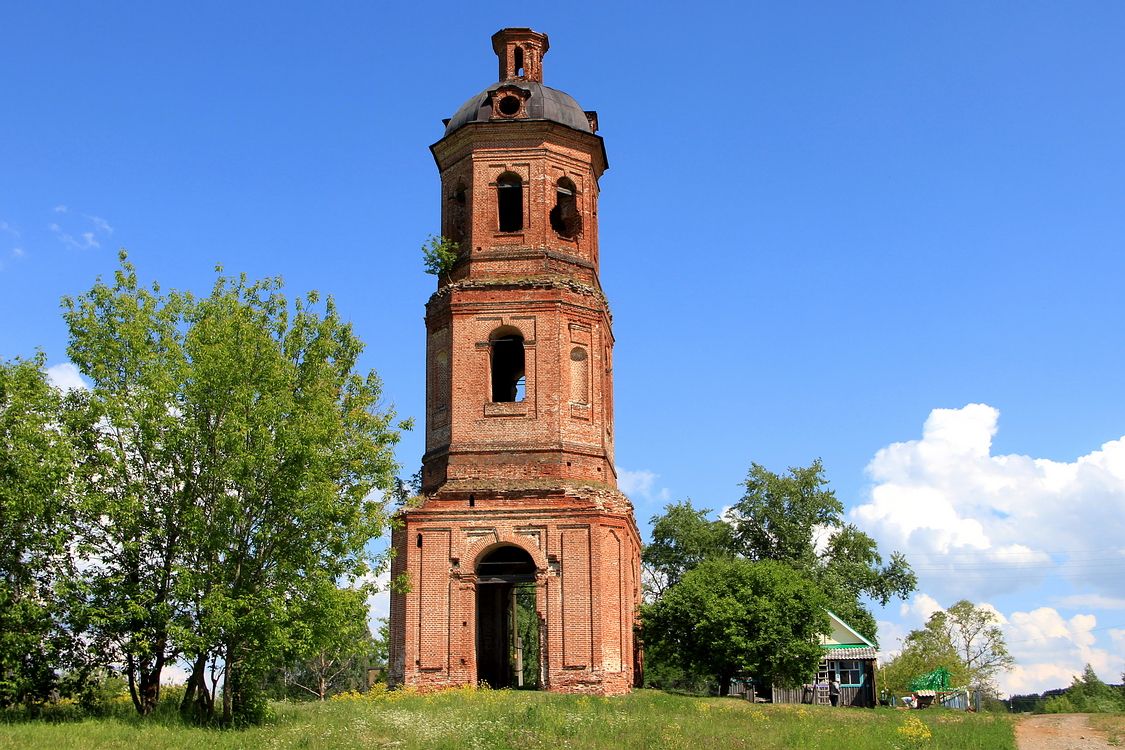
point(1113, 725)
point(465, 719)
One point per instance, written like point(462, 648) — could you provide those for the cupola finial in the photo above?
point(521, 54)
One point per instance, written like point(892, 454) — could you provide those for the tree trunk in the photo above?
point(228, 688)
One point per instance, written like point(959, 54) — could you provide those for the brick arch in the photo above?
point(484, 546)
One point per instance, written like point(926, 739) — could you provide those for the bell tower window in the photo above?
point(507, 363)
point(509, 202)
point(565, 219)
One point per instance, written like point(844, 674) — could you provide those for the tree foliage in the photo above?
point(682, 538)
point(230, 481)
point(36, 464)
point(439, 255)
point(1087, 694)
point(797, 519)
point(734, 618)
point(965, 639)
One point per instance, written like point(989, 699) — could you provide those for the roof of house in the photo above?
point(842, 634)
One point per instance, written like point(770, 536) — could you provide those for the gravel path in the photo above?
point(1058, 732)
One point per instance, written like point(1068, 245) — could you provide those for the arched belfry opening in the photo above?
point(565, 218)
point(508, 626)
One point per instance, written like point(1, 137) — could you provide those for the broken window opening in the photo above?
point(565, 218)
point(508, 383)
point(509, 202)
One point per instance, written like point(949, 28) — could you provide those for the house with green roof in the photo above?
point(847, 655)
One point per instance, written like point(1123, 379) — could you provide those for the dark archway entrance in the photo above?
point(507, 623)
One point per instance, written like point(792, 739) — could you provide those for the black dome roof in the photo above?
point(544, 103)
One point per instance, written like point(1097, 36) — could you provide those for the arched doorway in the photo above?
point(507, 622)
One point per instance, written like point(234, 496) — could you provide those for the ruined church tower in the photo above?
point(523, 561)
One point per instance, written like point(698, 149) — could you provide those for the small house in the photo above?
point(848, 655)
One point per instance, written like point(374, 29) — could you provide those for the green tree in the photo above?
point(797, 519)
point(330, 644)
point(682, 538)
point(233, 474)
point(965, 639)
point(36, 465)
point(733, 618)
point(139, 482)
point(1088, 694)
point(439, 255)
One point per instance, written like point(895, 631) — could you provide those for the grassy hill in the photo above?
point(489, 720)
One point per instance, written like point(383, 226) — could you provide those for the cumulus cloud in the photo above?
point(641, 485)
point(635, 482)
point(975, 524)
point(66, 376)
point(1050, 649)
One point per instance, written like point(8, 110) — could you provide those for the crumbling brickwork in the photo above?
point(519, 406)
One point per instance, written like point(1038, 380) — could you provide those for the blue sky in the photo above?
point(821, 223)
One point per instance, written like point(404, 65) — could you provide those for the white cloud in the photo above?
point(635, 482)
point(6, 227)
point(919, 608)
point(1050, 649)
point(66, 376)
point(641, 486)
point(974, 524)
point(68, 239)
point(18, 252)
point(1091, 601)
point(81, 240)
point(100, 224)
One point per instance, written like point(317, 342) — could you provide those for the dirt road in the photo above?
point(1058, 732)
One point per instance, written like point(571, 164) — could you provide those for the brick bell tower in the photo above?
point(523, 561)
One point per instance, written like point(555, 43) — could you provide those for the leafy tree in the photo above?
point(36, 463)
point(682, 538)
point(331, 646)
point(439, 255)
point(965, 639)
point(233, 475)
point(139, 481)
point(920, 655)
point(733, 618)
point(1087, 694)
point(782, 518)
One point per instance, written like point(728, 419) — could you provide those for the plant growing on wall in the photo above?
point(438, 255)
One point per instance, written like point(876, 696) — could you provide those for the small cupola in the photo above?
point(521, 54)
